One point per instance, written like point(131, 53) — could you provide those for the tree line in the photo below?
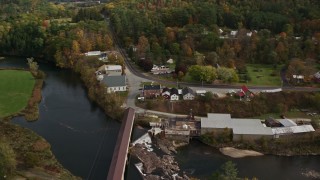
point(155, 30)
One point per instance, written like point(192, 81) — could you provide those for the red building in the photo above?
point(151, 91)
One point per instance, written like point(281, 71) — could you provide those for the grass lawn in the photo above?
point(262, 75)
point(15, 90)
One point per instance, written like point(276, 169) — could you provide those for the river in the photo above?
point(82, 137)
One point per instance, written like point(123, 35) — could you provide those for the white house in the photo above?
point(174, 95)
point(115, 83)
point(187, 94)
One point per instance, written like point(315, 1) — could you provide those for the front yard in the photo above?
point(263, 75)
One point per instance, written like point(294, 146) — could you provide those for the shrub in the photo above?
point(7, 159)
point(31, 159)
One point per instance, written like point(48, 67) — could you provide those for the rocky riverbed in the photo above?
point(156, 166)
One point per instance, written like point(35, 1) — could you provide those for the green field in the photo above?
point(264, 75)
point(15, 90)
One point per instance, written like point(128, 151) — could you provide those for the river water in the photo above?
point(82, 137)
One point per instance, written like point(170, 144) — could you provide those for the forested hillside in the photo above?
point(55, 32)
point(226, 32)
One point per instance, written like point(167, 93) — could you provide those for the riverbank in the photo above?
point(24, 153)
point(31, 156)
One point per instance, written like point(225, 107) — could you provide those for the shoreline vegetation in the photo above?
point(25, 154)
point(64, 44)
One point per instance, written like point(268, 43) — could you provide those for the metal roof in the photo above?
point(293, 129)
point(114, 81)
point(187, 90)
point(119, 158)
point(151, 87)
point(251, 126)
point(287, 122)
point(239, 126)
point(113, 67)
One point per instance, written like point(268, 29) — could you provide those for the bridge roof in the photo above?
point(118, 163)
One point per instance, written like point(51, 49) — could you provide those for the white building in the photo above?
point(113, 70)
point(174, 97)
point(187, 94)
point(249, 129)
point(110, 70)
point(93, 53)
point(115, 83)
point(174, 94)
point(242, 129)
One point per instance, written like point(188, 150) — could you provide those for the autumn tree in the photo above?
point(227, 74)
point(202, 73)
point(299, 68)
point(227, 171)
point(143, 46)
point(33, 66)
point(282, 52)
point(186, 50)
point(7, 159)
point(212, 58)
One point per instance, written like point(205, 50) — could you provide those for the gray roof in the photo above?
point(293, 129)
point(287, 122)
point(187, 90)
point(239, 126)
point(250, 126)
point(114, 81)
point(174, 91)
point(151, 87)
